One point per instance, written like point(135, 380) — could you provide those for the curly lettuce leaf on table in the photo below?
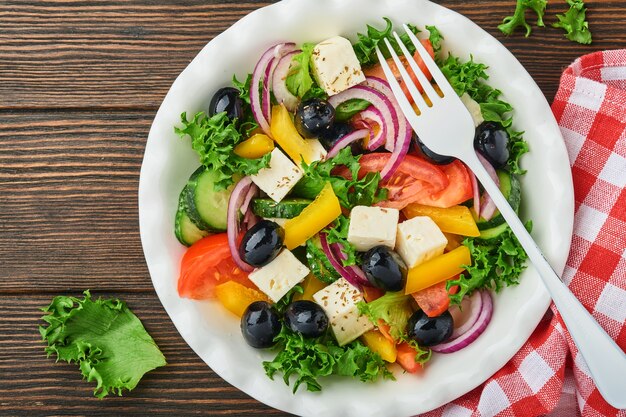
point(574, 22)
point(105, 339)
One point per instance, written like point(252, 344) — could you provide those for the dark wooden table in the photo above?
point(80, 82)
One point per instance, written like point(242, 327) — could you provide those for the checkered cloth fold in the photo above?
point(590, 108)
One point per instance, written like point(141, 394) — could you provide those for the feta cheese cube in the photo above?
point(339, 302)
point(317, 150)
point(279, 177)
point(335, 65)
point(372, 226)
point(419, 239)
point(474, 109)
point(279, 276)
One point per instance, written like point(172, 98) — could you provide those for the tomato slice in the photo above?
point(414, 179)
point(434, 300)
point(377, 71)
point(459, 188)
point(206, 264)
point(406, 358)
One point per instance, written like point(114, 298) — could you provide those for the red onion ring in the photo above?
point(346, 140)
point(377, 100)
point(232, 225)
point(383, 86)
point(472, 305)
point(357, 272)
point(350, 277)
point(400, 144)
point(488, 207)
point(476, 191)
point(261, 106)
point(249, 219)
point(372, 116)
point(266, 103)
point(255, 99)
point(279, 88)
point(472, 333)
point(401, 148)
point(252, 191)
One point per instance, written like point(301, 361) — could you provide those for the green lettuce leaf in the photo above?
point(365, 47)
point(247, 123)
point(243, 87)
point(299, 80)
point(496, 263)
point(214, 139)
point(338, 233)
point(510, 23)
point(311, 359)
point(574, 22)
point(435, 38)
point(105, 339)
point(350, 192)
point(282, 304)
point(394, 308)
point(465, 77)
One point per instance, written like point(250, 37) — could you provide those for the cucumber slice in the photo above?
point(286, 209)
point(494, 232)
point(318, 262)
point(186, 231)
point(206, 207)
point(511, 189)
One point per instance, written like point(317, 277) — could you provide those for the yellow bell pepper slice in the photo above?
point(378, 343)
point(316, 216)
point(255, 147)
point(438, 269)
point(454, 241)
point(457, 220)
point(310, 285)
point(236, 297)
point(285, 134)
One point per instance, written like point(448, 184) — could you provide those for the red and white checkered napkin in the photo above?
point(590, 108)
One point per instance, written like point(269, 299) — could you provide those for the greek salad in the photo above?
point(320, 219)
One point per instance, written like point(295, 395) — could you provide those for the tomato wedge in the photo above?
point(459, 188)
point(206, 264)
point(414, 177)
point(406, 358)
point(434, 300)
point(377, 71)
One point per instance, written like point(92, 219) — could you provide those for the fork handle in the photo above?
point(605, 359)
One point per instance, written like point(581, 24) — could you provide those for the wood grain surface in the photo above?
point(80, 82)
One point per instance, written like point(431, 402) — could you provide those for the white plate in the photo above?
point(213, 333)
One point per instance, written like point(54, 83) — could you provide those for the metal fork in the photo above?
point(446, 127)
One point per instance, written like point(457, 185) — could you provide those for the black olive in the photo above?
point(307, 318)
point(430, 331)
point(384, 268)
point(261, 243)
point(338, 130)
point(492, 141)
point(314, 117)
point(260, 324)
point(435, 158)
point(227, 100)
